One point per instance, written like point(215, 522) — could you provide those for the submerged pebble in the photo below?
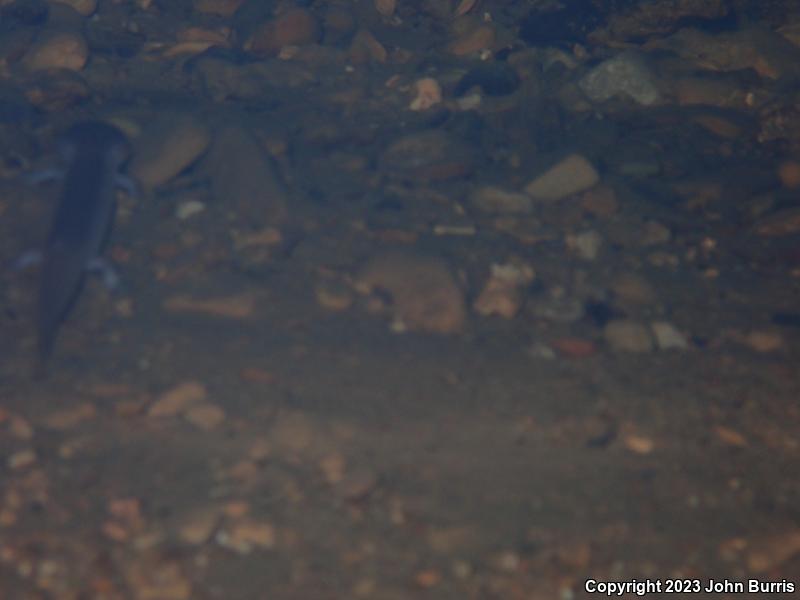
point(586, 244)
point(781, 223)
point(503, 293)
point(571, 175)
point(57, 50)
point(54, 90)
point(632, 290)
point(428, 93)
point(424, 294)
point(494, 199)
point(627, 335)
point(494, 79)
point(668, 337)
point(84, 8)
point(626, 75)
point(177, 399)
point(239, 306)
point(333, 295)
point(473, 41)
point(244, 178)
point(428, 156)
point(295, 27)
point(222, 8)
point(23, 13)
point(204, 415)
point(557, 305)
point(188, 209)
point(167, 147)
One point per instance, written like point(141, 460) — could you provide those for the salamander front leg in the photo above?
point(105, 269)
point(28, 259)
point(127, 185)
point(44, 175)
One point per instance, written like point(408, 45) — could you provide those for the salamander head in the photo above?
point(98, 138)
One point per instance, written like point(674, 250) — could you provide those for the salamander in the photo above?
point(93, 152)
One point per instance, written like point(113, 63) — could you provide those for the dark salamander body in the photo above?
point(93, 152)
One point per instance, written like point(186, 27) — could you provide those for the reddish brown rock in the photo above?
point(760, 49)
point(241, 306)
point(366, 48)
point(573, 347)
point(223, 8)
point(424, 294)
point(783, 222)
point(295, 27)
point(650, 19)
point(473, 41)
point(428, 156)
point(57, 50)
point(502, 294)
point(789, 174)
point(167, 147)
point(177, 399)
point(244, 177)
point(600, 201)
point(53, 90)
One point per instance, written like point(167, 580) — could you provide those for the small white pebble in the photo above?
point(188, 209)
point(21, 459)
point(668, 337)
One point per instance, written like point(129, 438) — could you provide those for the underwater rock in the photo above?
point(295, 27)
point(244, 178)
point(167, 147)
point(668, 337)
point(84, 8)
point(473, 41)
point(222, 8)
point(493, 78)
point(428, 156)
point(626, 335)
point(57, 50)
point(492, 199)
point(767, 53)
point(424, 294)
point(571, 175)
point(503, 293)
point(56, 89)
point(569, 23)
point(626, 75)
